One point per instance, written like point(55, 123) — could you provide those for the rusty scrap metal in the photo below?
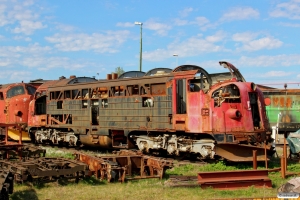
point(230, 152)
point(32, 152)
point(23, 152)
point(17, 150)
point(234, 179)
point(45, 169)
point(124, 166)
point(254, 159)
point(6, 184)
point(100, 168)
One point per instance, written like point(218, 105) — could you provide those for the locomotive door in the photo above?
point(181, 96)
point(179, 106)
point(95, 112)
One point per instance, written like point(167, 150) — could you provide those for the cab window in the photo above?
point(17, 90)
point(31, 90)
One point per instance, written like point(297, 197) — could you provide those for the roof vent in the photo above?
point(114, 75)
point(160, 73)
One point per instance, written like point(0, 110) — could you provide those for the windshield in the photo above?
point(31, 90)
point(17, 90)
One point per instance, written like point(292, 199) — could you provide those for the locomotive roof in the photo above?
point(131, 74)
point(9, 85)
point(64, 82)
point(112, 82)
point(277, 91)
point(152, 76)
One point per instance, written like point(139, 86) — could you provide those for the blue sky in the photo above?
point(52, 38)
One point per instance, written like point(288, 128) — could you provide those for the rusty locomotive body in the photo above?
point(180, 111)
point(14, 101)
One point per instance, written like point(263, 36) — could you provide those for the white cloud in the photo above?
point(180, 22)
point(262, 43)
point(3, 17)
point(18, 51)
point(5, 62)
point(102, 43)
point(219, 36)
point(159, 28)
point(125, 24)
point(276, 74)
point(50, 63)
point(22, 16)
point(294, 25)
point(203, 23)
point(10, 75)
point(42, 62)
point(256, 63)
point(185, 12)
point(270, 61)
point(65, 27)
point(28, 2)
point(200, 21)
point(28, 27)
point(27, 39)
point(190, 47)
point(290, 10)
point(251, 41)
point(240, 13)
point(244, 37)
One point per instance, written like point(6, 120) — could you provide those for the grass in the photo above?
point(91, 188)
point(68, 153)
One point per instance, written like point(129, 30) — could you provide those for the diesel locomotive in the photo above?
point(179, 112)
point(14, 101)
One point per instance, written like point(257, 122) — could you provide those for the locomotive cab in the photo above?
point(236, 113)
point(15, 105)
point(14, 101)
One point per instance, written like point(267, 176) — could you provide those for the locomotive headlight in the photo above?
point(233, 113)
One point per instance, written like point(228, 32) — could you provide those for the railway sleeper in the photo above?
point(174, 145)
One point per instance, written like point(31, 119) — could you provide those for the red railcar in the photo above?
point(180, 111)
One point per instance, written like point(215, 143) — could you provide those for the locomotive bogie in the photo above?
point(54, 136)
point(175, 145)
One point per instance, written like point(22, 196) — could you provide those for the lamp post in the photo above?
point(176, 59)
point(141, 24)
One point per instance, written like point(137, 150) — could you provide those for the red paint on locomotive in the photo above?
point(14, 101)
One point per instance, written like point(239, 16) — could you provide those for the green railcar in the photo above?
point(283, 110)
